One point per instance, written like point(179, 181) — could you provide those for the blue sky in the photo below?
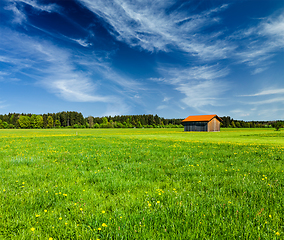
point(120, 57)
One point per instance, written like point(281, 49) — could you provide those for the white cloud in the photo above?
point(260, 43)
point(201, 85)
point(50, 66)
point(268, 101)
point(202, 94)
point(19, 17)
point(16, 6)
point(267, 92)
point(75, 91)
point(162, 107)
point(40, 7)
point(166, 99)
point(82, 42)
point(148, 24)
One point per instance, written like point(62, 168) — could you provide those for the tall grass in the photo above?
point(152, 184)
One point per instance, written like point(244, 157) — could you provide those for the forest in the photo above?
point(72, 119)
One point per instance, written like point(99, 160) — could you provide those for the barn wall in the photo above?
point(195, 126)
point(214, 125)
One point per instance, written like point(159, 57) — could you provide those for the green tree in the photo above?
point(57, 124)
point(33, 121)
point(39, 120)
point(105, 121)
point(24, 121)
point(49, 122)
point(277, 125)
point(238, 125)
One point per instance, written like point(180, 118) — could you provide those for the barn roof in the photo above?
point(201, 118)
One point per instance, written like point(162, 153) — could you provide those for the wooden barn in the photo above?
point(202, 123)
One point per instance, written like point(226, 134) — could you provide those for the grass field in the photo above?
point(141, 184)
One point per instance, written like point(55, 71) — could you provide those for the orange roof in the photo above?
point(201, 118)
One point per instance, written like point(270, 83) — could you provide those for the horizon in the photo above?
point(170, 58)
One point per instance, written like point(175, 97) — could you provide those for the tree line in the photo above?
point(74, 119)
point(229, 122)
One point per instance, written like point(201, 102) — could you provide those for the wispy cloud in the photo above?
point(268, 101)
point(51, 67)
point(267, 92)
point(150, 26)
point(260, 43)
point(201, 85)
point(202, 94)
point(19, 16)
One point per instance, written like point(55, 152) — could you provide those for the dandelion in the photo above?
point(81, 209)
point(45, 210)
point(32, 229)
point(50, 238)
point(37, 215)
point(158, 201)
point(149, 204)
point(104, 225)
point(103, 211)
point(4, 190)
point(99, 229)
point(60, 218)
point(277, 233)
point(66, 223)
point(270, 216)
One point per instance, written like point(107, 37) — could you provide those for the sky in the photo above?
point(173, 58)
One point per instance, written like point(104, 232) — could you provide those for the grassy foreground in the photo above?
point(141, 184)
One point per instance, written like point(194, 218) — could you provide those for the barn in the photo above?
point(202, 123)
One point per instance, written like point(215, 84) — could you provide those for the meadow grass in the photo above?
point(141, 184)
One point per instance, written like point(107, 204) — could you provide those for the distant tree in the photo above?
point(238, 125)
point(96, 125)
point(105, 121)
point(49, 122)
point(39, 121)
point(57, 123)
point(277, 125)
point(33, 121)
point(5, 125)
point(24, 121)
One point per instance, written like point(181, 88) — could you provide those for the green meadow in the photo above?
point(141, 184)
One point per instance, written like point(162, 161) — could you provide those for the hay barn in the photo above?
point(202, 123)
